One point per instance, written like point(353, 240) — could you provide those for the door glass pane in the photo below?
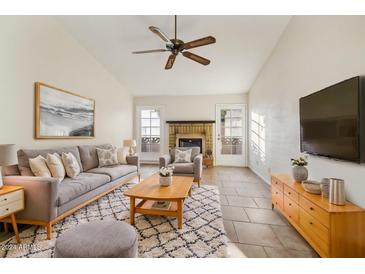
point(155, 131)
point(236, 131)
point(145, 114)
point(155, 122)
point(146, 122)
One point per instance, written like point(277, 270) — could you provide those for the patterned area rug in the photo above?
point(203, 234)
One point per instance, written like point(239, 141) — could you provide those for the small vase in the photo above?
point(300, 173)
point(165, 181)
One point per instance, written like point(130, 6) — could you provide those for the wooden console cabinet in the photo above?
point(333, 231)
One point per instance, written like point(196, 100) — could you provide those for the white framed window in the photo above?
point(150, 132)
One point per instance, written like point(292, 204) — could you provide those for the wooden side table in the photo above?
point(11, 202)
point(208, 162)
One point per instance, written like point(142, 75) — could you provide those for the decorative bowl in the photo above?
point(313, 187)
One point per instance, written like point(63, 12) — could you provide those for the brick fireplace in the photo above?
point(191, 133)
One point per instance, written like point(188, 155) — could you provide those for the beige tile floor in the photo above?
point(253, 229)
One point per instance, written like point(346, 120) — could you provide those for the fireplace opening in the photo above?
point(191, 142)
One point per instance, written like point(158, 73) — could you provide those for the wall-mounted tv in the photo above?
point(332, 121)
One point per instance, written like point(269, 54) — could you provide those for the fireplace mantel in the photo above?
point(191, 122)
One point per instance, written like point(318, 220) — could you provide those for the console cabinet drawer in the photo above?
point(291, 209)
point(292, 194)
point(315, 211)
point(11, 208)
point(11, 197)
point(318, 233)
point(277, 197)
point(276, 183)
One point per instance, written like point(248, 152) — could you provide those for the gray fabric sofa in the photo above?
point(194, 168)
point(48, 201)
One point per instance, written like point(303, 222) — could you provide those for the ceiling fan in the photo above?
point(176, 46)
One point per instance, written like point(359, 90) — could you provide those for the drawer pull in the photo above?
point(276, 192)
point(290, 204)
point(7, 209)
point(289, 193)
point(5, 199)
point(310, 223)
point(311, 208)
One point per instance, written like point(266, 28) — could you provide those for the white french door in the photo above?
point(231, 134)
point(150, 132)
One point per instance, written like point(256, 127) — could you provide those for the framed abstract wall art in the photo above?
point(61, 114)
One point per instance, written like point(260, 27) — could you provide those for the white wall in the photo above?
point(189, 107)
point(313, 52)
point(36, 48)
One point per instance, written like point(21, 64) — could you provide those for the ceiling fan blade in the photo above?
point(200, 42)
point(170, 61)
point(196, 58)
point(159, 32)
point(149, 51)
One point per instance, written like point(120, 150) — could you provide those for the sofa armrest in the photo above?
point(198, 166)
point(40, 194)
point(133, 160)
point(165, 160)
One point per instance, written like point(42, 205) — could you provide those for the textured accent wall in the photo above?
point(193, 128)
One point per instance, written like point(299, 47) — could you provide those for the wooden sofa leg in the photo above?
point(49, 231)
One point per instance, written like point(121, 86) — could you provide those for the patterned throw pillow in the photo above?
point(183, 156)
point(39, 167)
point(55, 166)
point(71, 165)
point(107, 157)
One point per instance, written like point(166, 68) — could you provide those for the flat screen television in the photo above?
point(332, 121)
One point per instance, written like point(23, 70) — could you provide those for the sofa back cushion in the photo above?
point(25, 154)
point(194, 151)
point(89, 156)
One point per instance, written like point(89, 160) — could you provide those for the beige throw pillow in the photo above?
point(71, 165)
point(55, 166)
point(39, 167)
point(183, 156)
point(107, 157)
point(122, 155)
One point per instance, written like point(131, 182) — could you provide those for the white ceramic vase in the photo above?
point(165, 181)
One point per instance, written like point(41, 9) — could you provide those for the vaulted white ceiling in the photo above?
point(243, 45)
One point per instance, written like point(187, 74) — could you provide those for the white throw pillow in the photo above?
point(71, 165)
point(183, 156)
point(39, 167)
point(107, 157)
point(55, 166)
point(122, 155)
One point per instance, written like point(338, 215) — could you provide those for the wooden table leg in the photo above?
point(180, 205)
point(6, 230)
point(132, 209)
point(190, 192)
point(15, 227)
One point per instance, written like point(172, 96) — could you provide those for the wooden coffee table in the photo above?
point(150, 191)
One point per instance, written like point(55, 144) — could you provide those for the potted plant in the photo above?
point(300, 172)
point(166, 175)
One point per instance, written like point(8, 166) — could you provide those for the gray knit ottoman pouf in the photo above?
point(99, 239)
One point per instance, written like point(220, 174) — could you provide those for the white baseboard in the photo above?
point(259, 175)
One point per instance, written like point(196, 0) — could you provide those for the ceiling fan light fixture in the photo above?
point(176, 46)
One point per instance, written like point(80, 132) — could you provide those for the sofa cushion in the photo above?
point(25, 154)
point(89, 157)
point(194, 151)
point(71, 188)
point(114, 172)
point(186, 168)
